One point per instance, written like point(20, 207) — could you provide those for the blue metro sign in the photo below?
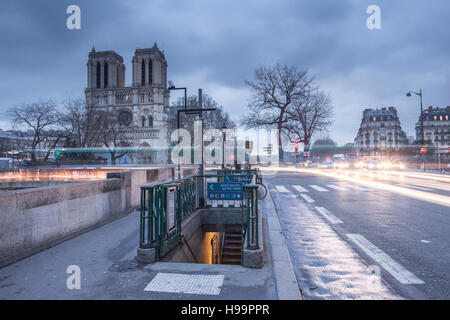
point(224, 190)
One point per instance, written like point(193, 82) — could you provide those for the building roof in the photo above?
point(436, 111)
point(391, 111)
point(110, 53)
point(154, 49)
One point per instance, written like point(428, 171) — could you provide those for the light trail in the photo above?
point(421, 195)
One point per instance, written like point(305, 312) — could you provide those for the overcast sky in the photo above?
point(215, 45)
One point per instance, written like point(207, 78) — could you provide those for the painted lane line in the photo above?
point(186, 283)
point(415, 187)
point(435, 186)
point(300, 189)
point(307, 198)
point(332, 186)
point(390, 265)
point(328, 215)
point(317, 188)
point(282, 189)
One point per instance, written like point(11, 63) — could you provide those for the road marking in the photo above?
point(186, 283)
point(356, 187)
point(435, 186)
point(307, 198)
point(391, 266)
point(282, 189)
point(425, 241)
point(415, 187)
point(300, 189)
point(317, 188)
point(329, 216)
point(332, 186)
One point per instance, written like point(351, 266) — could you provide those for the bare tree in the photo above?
point(43, 118)
point(82, 121)
point(309, 115)
point(273, 91)
point(112, 133)
point(212, 120)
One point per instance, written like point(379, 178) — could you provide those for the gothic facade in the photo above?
point(142, 108)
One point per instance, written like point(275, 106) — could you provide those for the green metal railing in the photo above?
point(164, 206)
point(250, 193)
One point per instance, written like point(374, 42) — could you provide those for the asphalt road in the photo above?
point(404, 230)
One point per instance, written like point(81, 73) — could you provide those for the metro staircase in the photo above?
point(232, 248)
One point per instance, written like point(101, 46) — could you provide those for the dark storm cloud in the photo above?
point(217, 44)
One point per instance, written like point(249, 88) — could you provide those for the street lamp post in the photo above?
point(172, 87)
point(224, 132)
point(421, 121)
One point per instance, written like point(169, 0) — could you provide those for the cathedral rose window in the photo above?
point(125, 118)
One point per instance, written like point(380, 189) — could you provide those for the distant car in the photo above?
point(341, 164)
point(398, 165)
point(373, 165)
point(326, 165)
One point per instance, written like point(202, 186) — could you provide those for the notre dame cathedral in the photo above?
point(143, 107)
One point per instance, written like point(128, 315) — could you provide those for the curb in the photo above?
point(286, 281)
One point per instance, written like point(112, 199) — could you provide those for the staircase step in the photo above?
point(233, 254)
point(231, 260)
point(233, 235)
point(232, 250)
point(233, 241)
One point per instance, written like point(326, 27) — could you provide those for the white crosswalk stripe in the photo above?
point(351, 186)
point(300, 188)
point(328, 215)
point(282, 189)
point(307, 198)
point(332, 186)
point(316, 187)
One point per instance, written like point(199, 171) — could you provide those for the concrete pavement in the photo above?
point(105, 257)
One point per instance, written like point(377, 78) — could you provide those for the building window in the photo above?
point(150, 121)
point(98, 75)
point(118, 77)
point(105, 75)
point(150, 72)
point(143, 73)
point(143, 121)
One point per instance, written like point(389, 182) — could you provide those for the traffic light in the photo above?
point(423, 150)
point(296, 145)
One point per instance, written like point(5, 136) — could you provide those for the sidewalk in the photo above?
point(109, 271)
